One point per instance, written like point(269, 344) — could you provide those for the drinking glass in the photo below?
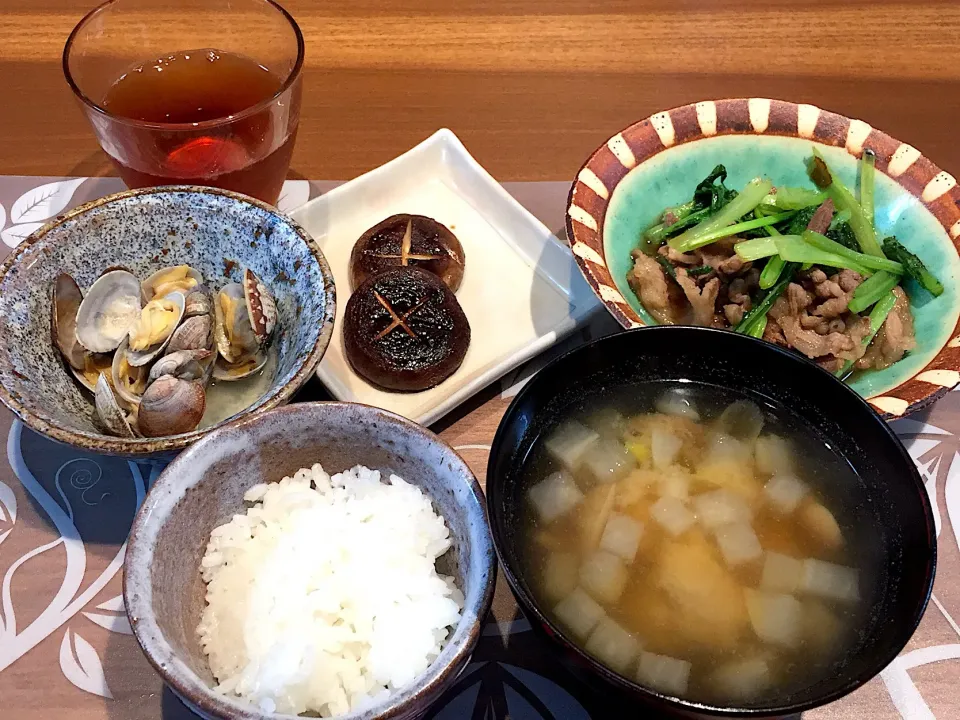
point(247, 150)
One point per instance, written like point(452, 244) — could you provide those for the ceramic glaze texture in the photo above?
point(217, 232)
point(204, 488)
point(656, 163)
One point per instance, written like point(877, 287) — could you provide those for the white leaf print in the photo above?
point(16, 234)
point(294, 194)
point(115, 604)
point(85, 670)
point(3, 216)
point(42, 203)
point(8, 503)
point(951, 496)
point(113, 623)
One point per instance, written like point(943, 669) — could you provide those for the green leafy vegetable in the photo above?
point(793, 198)
point(739, 206)
point(712, 194)
point(842, 234)
point(871, 290)
point(868, 261)
point(757, 328)
point(878, 316)
point(793, 249)
point(750, 250)
point(735, 229)
point(913, 265)
point(699, 270)
point(799, 222)
point(668, 268)
point(771, 272)
point(843, 200)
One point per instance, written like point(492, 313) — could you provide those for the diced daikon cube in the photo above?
point(664, 447)
point(555, 495)
point(607, 461)
point(579, 613)
point(742, 680)
point(622, 536)
point(675, 483)
point(784, 492)
point(592, 515)
point(607, 422)
point(672, 514)
point(781, 573)
point(721, 507)
point(726, 448)
point(560, 574)
point(663, 673)
point(776, 617)
point(569, 442)
point(612, 645)
point(738, 543)
point(822, 525)
point(604, 576)
point(677, 403)
point(774, 455)
point(829, 580)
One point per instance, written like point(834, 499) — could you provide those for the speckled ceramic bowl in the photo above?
point(204, 487)
point(656, 163)
point(217, 232)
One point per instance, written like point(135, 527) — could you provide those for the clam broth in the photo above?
point(720, 557)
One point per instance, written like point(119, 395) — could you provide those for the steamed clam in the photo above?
point(147, 351)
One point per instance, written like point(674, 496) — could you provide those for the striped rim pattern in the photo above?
point(610, 163)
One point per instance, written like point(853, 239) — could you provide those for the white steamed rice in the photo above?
point(324, 596)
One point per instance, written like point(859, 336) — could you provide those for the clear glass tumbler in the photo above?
point(200, 92)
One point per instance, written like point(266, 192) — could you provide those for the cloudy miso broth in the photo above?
point(697, 543)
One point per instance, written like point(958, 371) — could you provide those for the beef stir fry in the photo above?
point(802, 268)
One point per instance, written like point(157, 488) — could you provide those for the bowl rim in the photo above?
point(146, 447)
point(529, 606)
point(599, 176)
point(184, 682)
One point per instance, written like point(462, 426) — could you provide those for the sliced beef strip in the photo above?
point(820, 222)
point(654, 289)
point(679, 258)
point(895, 338)
point(733, 313)
point(702, 300)
point(773, 333)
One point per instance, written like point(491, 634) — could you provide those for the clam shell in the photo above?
point(194, 333)
point(171, 406)
point(109, 411)
point(142, 357)
point(98, 363)
point(244, 341)
point(228, 372)
point(149, 286)
point(128, 381)
point(63, 320)
point(110, 308)
point(199, 302)
point(261, 306)
point(183, 364)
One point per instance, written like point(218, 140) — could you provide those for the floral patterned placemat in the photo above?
point(65, 645)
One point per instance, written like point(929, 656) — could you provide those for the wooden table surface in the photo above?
point(532, 86)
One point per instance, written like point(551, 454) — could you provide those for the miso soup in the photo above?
point(697, 542)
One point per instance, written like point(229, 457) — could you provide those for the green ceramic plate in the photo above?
point(656, 163)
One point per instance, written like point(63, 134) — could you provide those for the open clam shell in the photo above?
point(108, 312)
point(261, 306)
point(138, 358)
point(199, 302)
point(178, 278)
point(228, 372)
point(171, 406)
point(233, 332)
point(109, 411)
point(94, 366)
point(67, 298)
point(129, 381)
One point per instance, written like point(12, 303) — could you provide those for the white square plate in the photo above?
point(521, 289)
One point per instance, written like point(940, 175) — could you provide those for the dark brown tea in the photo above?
point(246, 153)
